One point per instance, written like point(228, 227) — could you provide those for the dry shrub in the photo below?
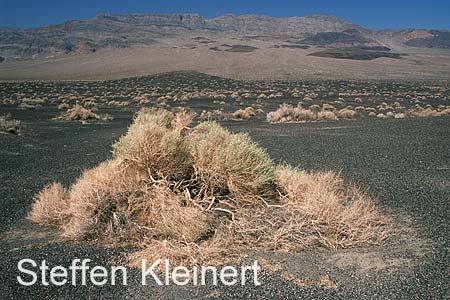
point(328, 107)
point(107, 201)
point(288, 113)
point(346, 113)
point(315, 210)
point(10, 125)
point(79, 113)
point(118, 103)
point(430, 112)
point(215, 115)
point(283, 113)
point(29, 106)
point(94, 200)
point(63, 106)
point(326, 115)
point(221, 199)
point(315, 108)
point(229, 161)
point(168, 215)
point(50, 206)
point(322, 210)
point(124, 206)
point(304, 114)
point(154, 143)
point(244, 114)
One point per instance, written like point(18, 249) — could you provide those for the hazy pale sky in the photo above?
point(432, 14)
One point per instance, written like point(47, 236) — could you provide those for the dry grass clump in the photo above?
point(10, 125)
point(204, 193)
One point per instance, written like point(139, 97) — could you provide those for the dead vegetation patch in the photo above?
point(10, 125)
point(208, 195)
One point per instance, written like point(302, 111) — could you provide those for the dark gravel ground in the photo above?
point(403, 163)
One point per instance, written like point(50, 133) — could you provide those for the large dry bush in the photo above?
point(204, 193)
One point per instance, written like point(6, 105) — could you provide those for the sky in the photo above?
point(381, 14)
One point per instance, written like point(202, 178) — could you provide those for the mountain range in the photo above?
point(124, 31)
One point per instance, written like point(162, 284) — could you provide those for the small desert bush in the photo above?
point(328, 107)
point(214, 115)
point(244, 114)
point(79, 113)
point(63, 106)
point(205, 193)
point(118, 103)
point(304, 114)
point(29, 106)
point(50, 206)
point(83, 115)
point(326, 115)
point(28, 103)
point(346, 113)
point(10, 125)
point(284, 113)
